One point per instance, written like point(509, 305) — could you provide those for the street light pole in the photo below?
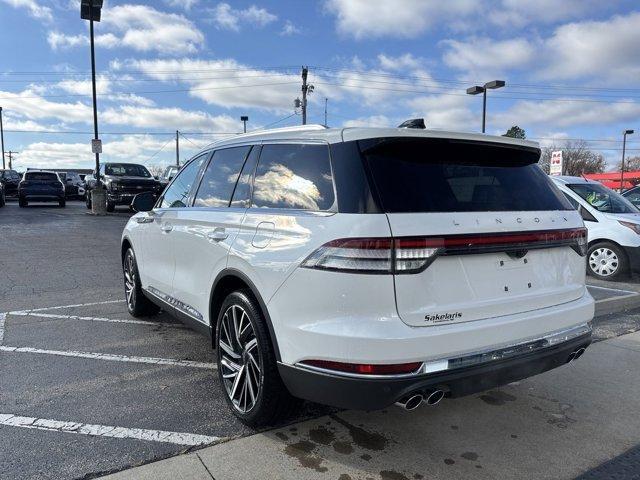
point(244, 119)
point(95, 104)
point(2, 139)
point(624, 146)
point(475, 90)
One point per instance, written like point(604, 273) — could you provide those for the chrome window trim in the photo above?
point(444, 364)
point(175, 303)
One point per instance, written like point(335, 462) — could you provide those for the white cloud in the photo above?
point(33, 106)
point(83, 87)
point(289, 29)
point(34, 8)
point(169, 118)
point(479, 57)
point(563, 114)
point(140, 28)
point(372, 121)
point(146, 29)
point(225, 83)
point(394, 18)
point(186, 4)
point(227, 18)
point(605, 49)
point(518, 13)
point(447, 112)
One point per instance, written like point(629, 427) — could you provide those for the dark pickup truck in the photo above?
point(10, 179)
point(123, 181)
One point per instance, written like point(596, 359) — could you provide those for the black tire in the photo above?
point(273, 402)
point(22, 202)
point(111, 207)
point(137, 304)
point(607, 261)
point(62, 203)
point(3, 200)
point(87, 200)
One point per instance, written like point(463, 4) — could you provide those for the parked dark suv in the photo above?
point(10, 179)
point(41, 186)
point(123, 181)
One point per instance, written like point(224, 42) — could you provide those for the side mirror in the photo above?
point(143, 202)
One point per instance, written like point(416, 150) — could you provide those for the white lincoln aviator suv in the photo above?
point(362, 267)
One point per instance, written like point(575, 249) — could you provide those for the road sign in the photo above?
point(96, 145)
point(555, 166)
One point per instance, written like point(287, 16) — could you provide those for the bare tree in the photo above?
point(577, 158)
point(631, 164)
point(156, 170)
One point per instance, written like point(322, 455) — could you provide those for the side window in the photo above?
point(220, 177)
point(177, 194)
point(242, 193)
point(294, 176)
point(572, 201)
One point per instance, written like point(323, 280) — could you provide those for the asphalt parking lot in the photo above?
point(85, 389)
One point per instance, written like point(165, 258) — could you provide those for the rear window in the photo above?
point(603, 199)
point(436, 175)
point(41, 176)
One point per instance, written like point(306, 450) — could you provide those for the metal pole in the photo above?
point(95, 105)
point(484, 108)
point(2, 138)
point(177, 149)
point(244, 126)
point(325, 110)
point(624, 144)
point(304, 95)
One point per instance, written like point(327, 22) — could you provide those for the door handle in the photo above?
point(166, 227)
point(217, 235)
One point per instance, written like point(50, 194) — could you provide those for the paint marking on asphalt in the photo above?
point(110, 357)
point(177, 438)
point(72, 306)
point(29, 313)
point(3, 318)
point(619, 297)
point(612, 289)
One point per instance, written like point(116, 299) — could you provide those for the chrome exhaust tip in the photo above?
point(410, 402)
point(434, 397)
point(575, 355)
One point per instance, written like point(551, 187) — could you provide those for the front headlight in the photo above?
point(633, 226)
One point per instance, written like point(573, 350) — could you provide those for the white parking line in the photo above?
point(177, 438)
point(612, 289)
point(110, 357)
point(73, 306)
point(3, 317)
point(29, 313)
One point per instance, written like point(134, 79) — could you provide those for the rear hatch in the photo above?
point(499, 237)
point(42, 182)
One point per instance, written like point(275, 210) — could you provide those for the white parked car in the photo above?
point(363, 267)
point(613, 223)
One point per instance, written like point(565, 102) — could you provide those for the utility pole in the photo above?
point(2, 139)
point(325, 111)
point(624, 146)
point(177, 149)
point(306, 89)
point(9, 154)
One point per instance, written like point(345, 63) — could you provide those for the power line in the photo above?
point(117, 133)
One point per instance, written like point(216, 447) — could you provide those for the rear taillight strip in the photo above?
point(414, 254)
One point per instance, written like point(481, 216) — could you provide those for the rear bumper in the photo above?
point(376, 393)
point(43, 197)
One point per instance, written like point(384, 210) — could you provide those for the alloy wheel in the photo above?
point(130, 280)
point(240, 359)
point(604, 261)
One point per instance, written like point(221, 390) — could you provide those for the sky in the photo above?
point(571, 67)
